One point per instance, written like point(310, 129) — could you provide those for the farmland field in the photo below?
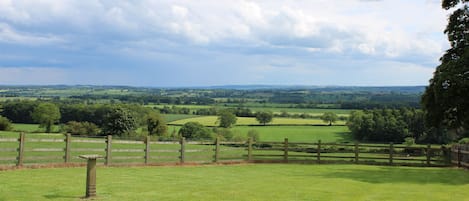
point(212, 121)
point(293, 133)
point(275, 109)
point(241, 182)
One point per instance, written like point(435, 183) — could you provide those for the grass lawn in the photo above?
point(241, 182)
point(212, 121)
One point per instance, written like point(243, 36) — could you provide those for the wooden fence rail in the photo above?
point(460, 155)
point(66, 150)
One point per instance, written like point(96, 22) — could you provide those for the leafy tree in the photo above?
point(264, 117)
point(5, 124)
point(82, 128)
point(445, 99)
point(156, 125)
point(379, 125)
point(329, 117)
point(119, 121)
point(194, 130)
point(46, 114)
point(226, 119)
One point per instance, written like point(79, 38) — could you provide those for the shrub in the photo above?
point(254, 135)
point(464, 141)
point(5, 124)
point(224, 133)
point(82, 128)
point(194, 131)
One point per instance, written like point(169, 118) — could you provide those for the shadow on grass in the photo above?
point(58, 196)
point(403, 175)
point(345, 137)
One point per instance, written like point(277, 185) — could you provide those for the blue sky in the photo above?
point(206, 43)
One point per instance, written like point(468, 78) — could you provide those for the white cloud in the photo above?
point(307, 35)
point(9, 35)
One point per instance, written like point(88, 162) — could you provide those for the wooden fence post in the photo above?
point(217, 149)
point(285, 150)
point(250, 149)
point(108, 150)
point(183, 150)
point(356, 152)
point(459, 155)
point(147, 149)
point(68, 140)
point(319, 152)
point(21, 150)
point(428, 154)
point(391, 152)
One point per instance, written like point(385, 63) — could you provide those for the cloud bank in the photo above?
point(196, 43)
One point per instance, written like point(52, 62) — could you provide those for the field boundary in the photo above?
point(36, 152)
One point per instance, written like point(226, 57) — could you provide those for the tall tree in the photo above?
point(155, 124)
point(226, 119)
point(445, 100)
point(329, 117)
point(119, 122)
point(264, 117)
point(46, 114)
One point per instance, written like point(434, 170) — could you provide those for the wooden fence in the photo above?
point(30, 149)
point(460, 155)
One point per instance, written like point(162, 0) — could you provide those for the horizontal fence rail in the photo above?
point(460, 155)
point(30, 149)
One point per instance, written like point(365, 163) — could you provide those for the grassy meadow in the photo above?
point(267, 182)
point(213, 121)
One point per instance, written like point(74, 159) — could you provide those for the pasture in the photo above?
point(241, 182)
point(293, 133)
point(213, 121)
point(275, 108)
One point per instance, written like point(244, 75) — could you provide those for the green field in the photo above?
point(276, 108)
point(31, 128)
point(293, 133)
point(212, 121)
point(299, 133)
point(267, 182)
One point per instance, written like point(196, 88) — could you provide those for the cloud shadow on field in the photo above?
point(382, 175)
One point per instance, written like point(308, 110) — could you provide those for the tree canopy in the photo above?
point(445, 100)
point(264, 117)
point(329, 117)
point(194, 130)
point(119, 121)
point(46, 114)
point(226, 119)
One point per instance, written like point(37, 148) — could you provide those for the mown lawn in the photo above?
point(241, 182)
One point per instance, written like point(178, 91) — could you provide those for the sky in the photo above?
point(220, 42)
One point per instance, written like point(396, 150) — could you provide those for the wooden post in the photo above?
point(147, 149)
point(108, 150)
point(68, 140)
point(183, 150)
point(356, 152)
point(285, 150)
point(319, 151)
point(459, 155)
point(250, 149)
point(391, 152)
point(21, 150)
point(217, 149)
point(428, 154)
